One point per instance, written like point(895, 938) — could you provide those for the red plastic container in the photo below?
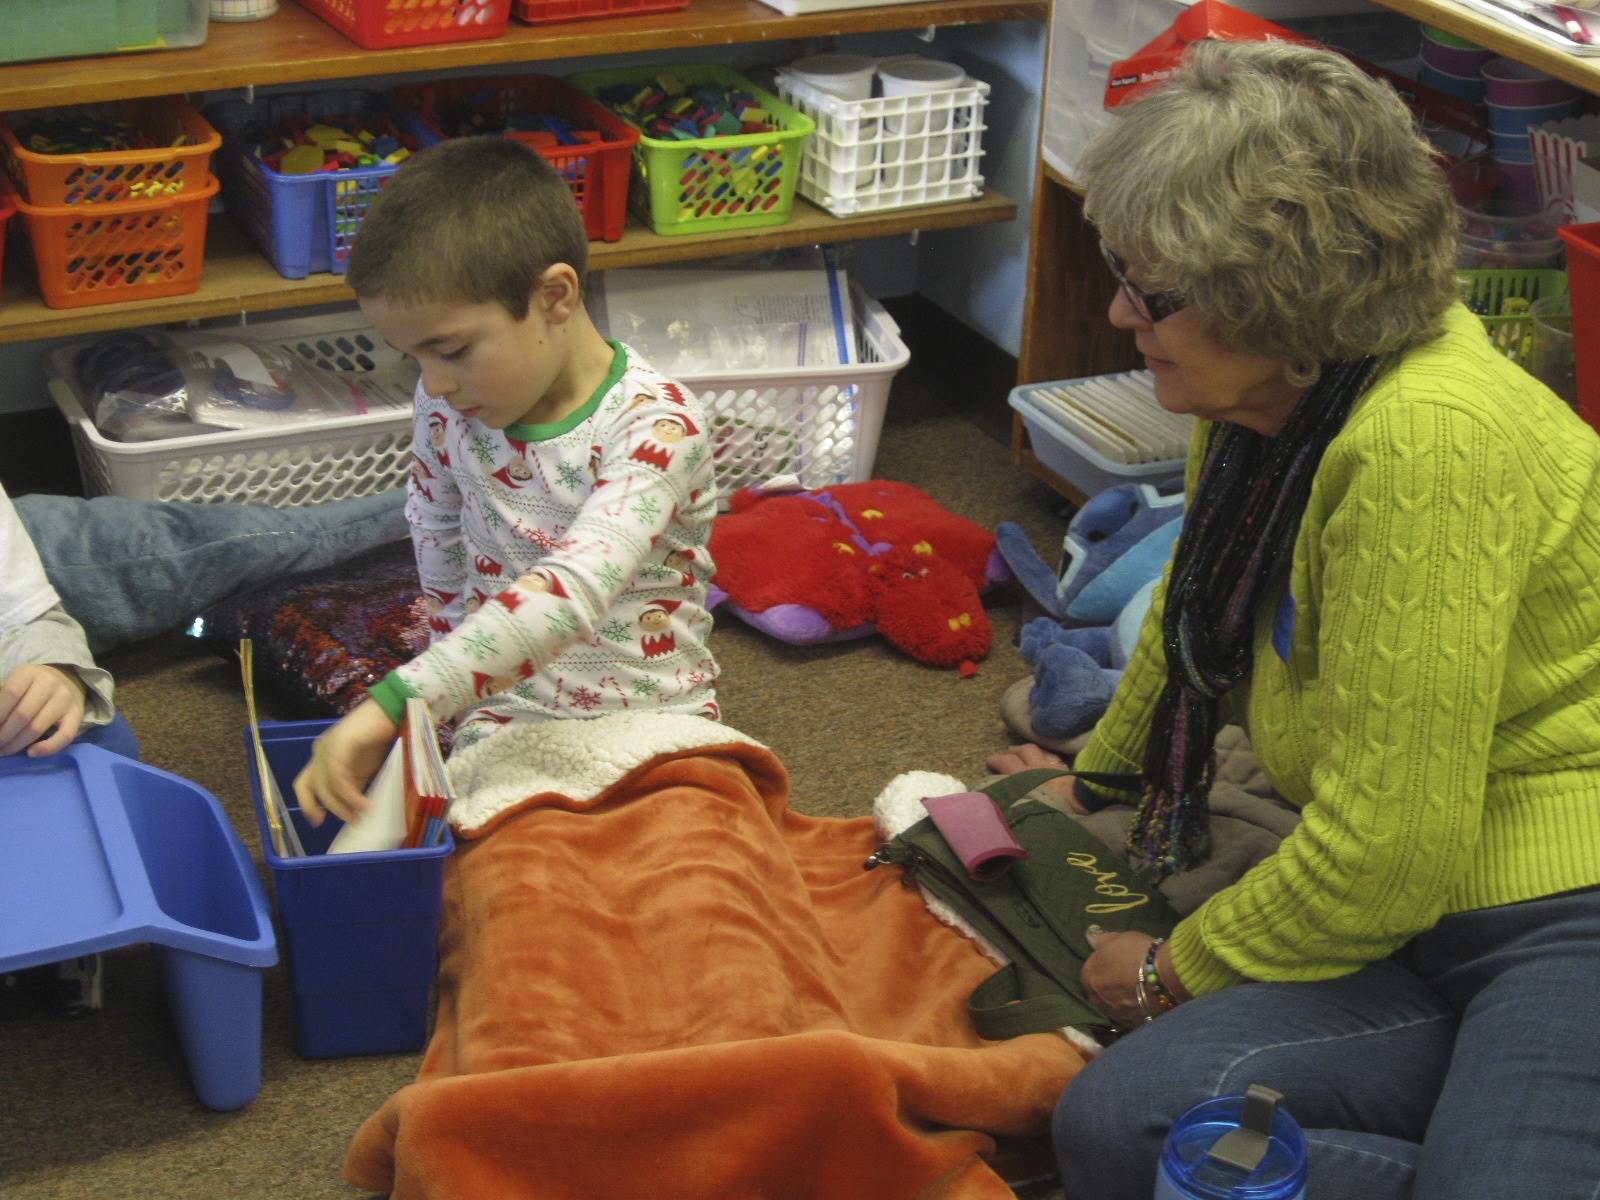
point(385, 24)
point(597, 172)
point(1583, 280)
point(547, 12)
point(6, 209)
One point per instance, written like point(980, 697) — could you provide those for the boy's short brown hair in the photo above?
point(473, 220)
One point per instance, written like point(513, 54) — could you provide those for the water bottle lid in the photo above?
point(1236, 1148)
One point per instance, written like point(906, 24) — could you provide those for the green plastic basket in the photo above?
point(697, 185)
point(1486, 294)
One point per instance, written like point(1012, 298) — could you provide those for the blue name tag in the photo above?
point(1283, 625)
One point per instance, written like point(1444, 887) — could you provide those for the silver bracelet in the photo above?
point(1139, 992)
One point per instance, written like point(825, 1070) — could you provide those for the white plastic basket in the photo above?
point(302, 463)
point(819, 424)
point(891, 151)
point(1104, 430)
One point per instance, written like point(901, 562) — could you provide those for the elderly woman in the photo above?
point(1390, 572)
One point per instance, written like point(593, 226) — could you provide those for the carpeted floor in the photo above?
point(100, 1107)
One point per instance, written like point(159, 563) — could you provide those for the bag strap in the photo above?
point(1008, 789)
point(1000, 1008)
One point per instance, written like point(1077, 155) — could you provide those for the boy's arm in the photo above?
point(644, 481)
point(433, 510)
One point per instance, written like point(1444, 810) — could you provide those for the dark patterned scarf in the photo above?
point(1237, 540)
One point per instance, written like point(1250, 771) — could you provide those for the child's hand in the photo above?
point(343, 762)
point(36, 699)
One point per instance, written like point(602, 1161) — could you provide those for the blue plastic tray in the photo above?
point(98, 851)
point(360, 931)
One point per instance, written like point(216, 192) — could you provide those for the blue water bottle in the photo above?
point(1234, 1148)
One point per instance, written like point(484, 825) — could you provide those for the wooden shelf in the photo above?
point(296, 46)
point(1487, 32)
point(238, 279)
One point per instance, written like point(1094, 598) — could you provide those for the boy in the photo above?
point(556, 473)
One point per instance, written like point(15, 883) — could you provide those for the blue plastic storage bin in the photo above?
point(303, 223)
point(360, 931)
point(98, 851)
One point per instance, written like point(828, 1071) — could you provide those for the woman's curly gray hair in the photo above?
point(1286, 195)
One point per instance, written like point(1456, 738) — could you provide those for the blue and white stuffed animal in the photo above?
point(1111, 559)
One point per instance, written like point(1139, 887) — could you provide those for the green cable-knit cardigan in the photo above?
point(1428, 693)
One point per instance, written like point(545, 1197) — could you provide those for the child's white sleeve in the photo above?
point(53, 638)
point(433, 510)
point(649, 475)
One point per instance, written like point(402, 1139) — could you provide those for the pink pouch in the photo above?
point(976, 831)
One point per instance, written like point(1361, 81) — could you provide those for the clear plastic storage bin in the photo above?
point(81, 28)
point(1105, 430)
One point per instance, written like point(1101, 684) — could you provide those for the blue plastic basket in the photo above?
point(360, 931)
point(100, 852)
point(303, 223)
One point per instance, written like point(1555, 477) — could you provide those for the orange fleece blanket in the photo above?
point(679, 988)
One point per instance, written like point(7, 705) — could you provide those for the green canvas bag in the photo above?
point(1037, 914)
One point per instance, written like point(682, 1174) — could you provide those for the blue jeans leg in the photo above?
point(117, 737)
point(1360, 1061)
point(128, 569)
point(1517, 1116)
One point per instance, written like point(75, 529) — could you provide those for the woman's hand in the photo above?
point(1110, 974)
point(1026, 757)
point(36, 699)
point(343, 761)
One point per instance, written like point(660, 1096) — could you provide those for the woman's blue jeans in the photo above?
point(1466, 1067)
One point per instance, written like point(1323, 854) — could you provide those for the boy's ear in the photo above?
point(557, 293)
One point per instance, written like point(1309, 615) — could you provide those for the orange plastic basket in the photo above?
point(137, 250)
point(547, 12)
point(597, 172)
point(113, 176)
point(385, 24)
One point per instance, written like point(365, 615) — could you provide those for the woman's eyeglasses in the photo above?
point(1151, 306)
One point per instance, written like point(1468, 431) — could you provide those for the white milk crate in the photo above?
point(892, 151)
point(302, 463)
point(820, 424)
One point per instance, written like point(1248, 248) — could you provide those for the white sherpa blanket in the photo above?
point(579, 759)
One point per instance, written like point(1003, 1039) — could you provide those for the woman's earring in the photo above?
point(1302, 374)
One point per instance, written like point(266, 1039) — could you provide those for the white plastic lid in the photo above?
point(924, 71)
point(833, 66)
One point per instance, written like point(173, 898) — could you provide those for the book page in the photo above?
point(383, 825)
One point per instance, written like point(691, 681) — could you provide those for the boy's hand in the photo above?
point(36, 699)
point(343, 761)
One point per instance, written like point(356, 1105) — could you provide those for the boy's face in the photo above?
point(476, 357)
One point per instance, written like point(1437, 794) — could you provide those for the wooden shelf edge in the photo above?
point(296, 46)
point(239, 280)
point(1486, 32)
point(1060, 180)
